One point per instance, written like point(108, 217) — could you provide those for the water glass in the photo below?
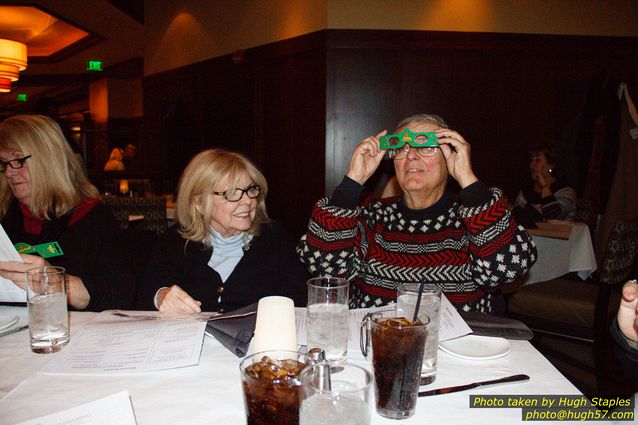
point(342, 397)
point(327, 316)
point(47, 306)
point(407, 295)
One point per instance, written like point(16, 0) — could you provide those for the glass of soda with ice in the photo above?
point(271, 387)
point(397, 353)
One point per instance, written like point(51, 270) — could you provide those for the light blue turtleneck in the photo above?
point(227, 252)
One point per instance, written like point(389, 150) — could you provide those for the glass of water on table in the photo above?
point(335, 394)
point(327, 316)
point(46, 301)
point(407, 295)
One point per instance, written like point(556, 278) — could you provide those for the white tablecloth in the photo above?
point(557, 257)
point(211, 393)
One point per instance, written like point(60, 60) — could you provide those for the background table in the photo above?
point(211, 392)
point(558, 256)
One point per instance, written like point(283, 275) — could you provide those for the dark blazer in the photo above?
point(93, 250)
point(269, 267)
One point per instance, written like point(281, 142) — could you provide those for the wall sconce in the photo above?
point(123, 186)
point(13, 59)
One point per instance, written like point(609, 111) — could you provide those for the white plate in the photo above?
point(8, 321)
point(474, 347)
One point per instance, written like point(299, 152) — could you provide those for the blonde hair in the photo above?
point(58, 181)
point(194, 206)
point(117, 154)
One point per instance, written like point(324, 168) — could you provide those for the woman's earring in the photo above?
point(551, 170)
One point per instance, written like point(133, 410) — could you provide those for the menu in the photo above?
point(115, 409)
point(113, 344)
point(452, 324)
point(9, 291)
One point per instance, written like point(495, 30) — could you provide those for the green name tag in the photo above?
point(45, 250)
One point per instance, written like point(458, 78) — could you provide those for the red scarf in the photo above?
point(33, 225)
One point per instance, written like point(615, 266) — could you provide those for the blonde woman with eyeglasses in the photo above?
point(469, 244)
point(224, 252)
point(45, 196)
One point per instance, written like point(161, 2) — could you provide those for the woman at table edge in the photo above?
point(468, 245)
point(45, 196)
point(224, 253)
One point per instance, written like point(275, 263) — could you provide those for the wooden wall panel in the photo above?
point(503, 92)
point(173, 117)
point(228, 107)
point(270, 107)
point(292, 102)
point(300, 106)
point(364, 92)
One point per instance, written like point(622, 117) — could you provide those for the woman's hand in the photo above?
point(76, 293)
point(14, 270)
point(175, 300)
point(543, 177)
point(366, 159)
point(628, 310)
point(457, 156)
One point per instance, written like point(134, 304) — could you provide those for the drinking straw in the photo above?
point(418, 301)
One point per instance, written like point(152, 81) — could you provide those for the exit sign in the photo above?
point(95, 66)
point(22, 97)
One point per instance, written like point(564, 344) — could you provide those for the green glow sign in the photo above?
point(94, 65)
point(22, 97)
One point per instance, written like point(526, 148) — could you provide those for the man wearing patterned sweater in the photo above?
point(468, 245)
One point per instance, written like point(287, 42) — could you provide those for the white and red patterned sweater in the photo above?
point(468, 248)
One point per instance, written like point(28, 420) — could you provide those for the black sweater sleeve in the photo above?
point(164, 267)
point(97, 254)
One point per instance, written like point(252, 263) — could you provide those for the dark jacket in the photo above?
point(626, 359)
point(269, 267)
point(93, 250)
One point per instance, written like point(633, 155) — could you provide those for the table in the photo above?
point(211, 392)
point(557, 255)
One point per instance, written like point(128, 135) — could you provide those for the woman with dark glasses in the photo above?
point(45, 196)
point(224, 252)
point(469, 245)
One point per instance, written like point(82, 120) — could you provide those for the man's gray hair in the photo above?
point(421, 118)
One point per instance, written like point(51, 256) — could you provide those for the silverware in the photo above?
point(201, 317)
point(11, 331)
point(136, 316)
point(507, 333)
point(446, 390)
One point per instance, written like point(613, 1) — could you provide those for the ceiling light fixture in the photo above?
point(13, 59)
point(5, 85)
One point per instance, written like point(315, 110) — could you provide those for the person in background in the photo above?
point(549, 197)
point(224, 253)
point(115, 160)
point(468, 245)
point(45, 196)
point(129, 157)
point(625, 332)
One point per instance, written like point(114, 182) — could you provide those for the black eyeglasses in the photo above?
point(234, 195)
point(13, 163)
